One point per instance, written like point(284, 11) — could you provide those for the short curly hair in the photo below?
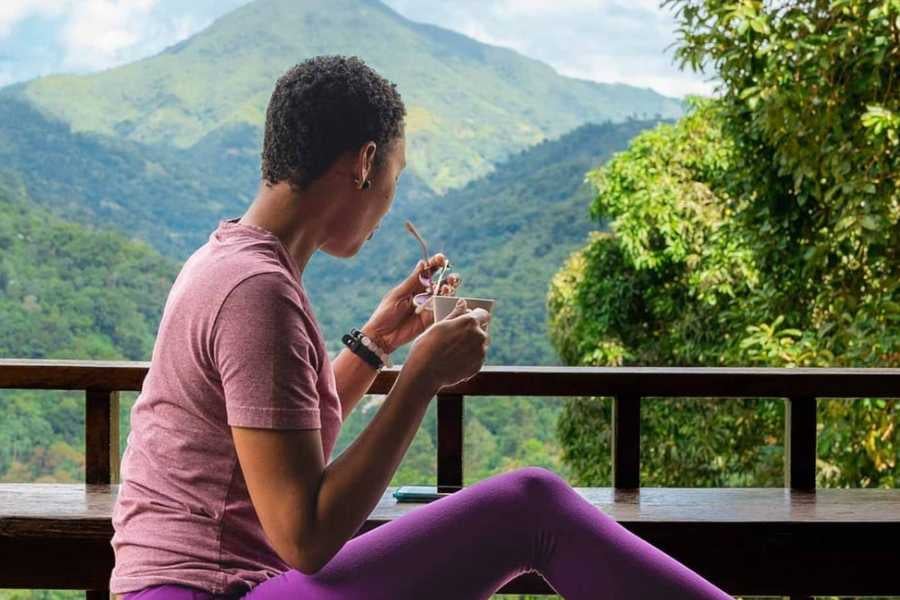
point(321, 108)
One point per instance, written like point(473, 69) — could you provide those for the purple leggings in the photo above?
point(468, 545)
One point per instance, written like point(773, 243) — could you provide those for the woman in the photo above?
point(227, 487)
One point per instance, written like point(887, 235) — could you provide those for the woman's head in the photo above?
point(335, 124)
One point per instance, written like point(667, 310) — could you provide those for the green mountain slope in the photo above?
point(157, 195)
point(172, 198)
point(470, 104)
point(67, 291)
point(506, 233)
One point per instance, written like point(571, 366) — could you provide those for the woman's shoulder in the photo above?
point(214, 271)
point(264, 286)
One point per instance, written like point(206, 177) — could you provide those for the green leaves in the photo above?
point(66, 292)
point(762, 228)
point(771, 345)
point(70, 292)
point(882, 122)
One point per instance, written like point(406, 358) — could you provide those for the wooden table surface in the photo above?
point(87, 508)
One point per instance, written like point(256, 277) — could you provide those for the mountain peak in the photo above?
point(469, 104)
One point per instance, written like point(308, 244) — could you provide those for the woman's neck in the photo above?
point(277, 209)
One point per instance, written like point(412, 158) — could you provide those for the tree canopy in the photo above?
point(761, 229)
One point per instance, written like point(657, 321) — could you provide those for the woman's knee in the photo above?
point(539, 482)
point(521, 491)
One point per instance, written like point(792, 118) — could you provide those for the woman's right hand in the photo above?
point(453, 349)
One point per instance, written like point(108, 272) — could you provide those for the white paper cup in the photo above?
point(444, 305)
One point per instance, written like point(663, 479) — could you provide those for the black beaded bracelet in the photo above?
point(353, 340)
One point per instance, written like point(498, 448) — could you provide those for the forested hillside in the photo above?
point(161, 196)
point(66, 291)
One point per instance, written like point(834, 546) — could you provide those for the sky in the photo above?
point(611, 41)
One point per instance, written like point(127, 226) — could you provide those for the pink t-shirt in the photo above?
point(238, 344)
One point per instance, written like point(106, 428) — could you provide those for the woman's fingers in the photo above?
point(432, 268)
point(453, 281)
point(449, 283)
point(420, 278)
point(448, 289)
point(437, 261)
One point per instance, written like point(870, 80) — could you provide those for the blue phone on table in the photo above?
point(419, 493)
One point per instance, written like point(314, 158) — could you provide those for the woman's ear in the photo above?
point(366, 160)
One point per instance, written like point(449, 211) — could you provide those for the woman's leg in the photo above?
point(169, 592)
point(469, 544)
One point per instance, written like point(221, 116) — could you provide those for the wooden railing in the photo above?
point(102, 381)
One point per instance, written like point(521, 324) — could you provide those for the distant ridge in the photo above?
point(470, 104)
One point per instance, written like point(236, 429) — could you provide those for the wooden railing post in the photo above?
point(800, 443)
point(450, 442)
point(101, 436)
point(101, 453)
point(626, 441)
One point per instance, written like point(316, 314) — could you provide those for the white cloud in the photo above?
point(544, 7)
point(97, 34)
point(611, 41)
point(14, 11)
point(475, 29)
point(102, 33)
point(676, 84)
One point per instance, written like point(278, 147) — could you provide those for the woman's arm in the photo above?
point(353, 376)
point(309, 510)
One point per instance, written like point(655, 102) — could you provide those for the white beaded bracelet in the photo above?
point(368, 343)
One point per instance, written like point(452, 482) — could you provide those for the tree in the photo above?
point(761, 229)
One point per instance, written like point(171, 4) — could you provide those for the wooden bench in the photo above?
point(796, 540)
point(754, 541)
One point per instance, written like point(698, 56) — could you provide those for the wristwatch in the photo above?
point(361, 345)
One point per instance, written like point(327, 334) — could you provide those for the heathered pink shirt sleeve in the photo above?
point(265, 357)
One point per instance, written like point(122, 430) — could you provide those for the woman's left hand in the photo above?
point(395, 321)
